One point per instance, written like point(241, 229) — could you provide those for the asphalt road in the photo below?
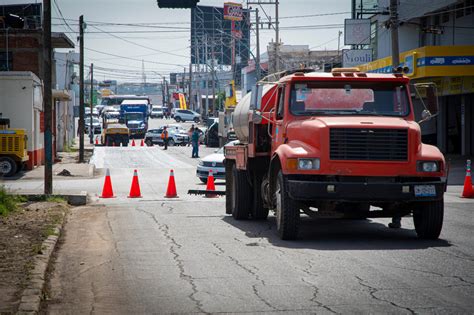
point(157, 255)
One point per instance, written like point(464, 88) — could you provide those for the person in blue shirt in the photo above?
point(195, 143)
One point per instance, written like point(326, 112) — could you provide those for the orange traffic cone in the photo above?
point(210, 185)
point(96, 140)
point(468, 192)
point(135, 189)
point(171, 190)
point(142, 143)
point(107, 191)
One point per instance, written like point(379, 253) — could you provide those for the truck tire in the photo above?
point(287, 211)
point(259, 212)
point(428, 219)
point(241, 191)
point(8, 166)
point(228, 187)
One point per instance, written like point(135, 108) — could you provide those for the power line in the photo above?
point(62, 16)
point(133, 43)
point(129, 58)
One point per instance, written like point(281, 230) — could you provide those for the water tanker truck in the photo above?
point(334, 145)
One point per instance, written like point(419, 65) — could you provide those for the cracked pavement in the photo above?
point(155, 255)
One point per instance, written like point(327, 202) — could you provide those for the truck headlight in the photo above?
point(308, 164)
point(428, 166)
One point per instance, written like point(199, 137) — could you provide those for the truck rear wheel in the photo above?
point(428, 219)
point(259, 212)
point(8, 166)
point(228, 186)
point(287, 211)
point(241, 191)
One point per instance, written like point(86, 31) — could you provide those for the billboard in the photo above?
point(356, 31)
point(233, 11)
point(211, 37)
point(355, 57)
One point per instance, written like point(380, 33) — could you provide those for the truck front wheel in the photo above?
point(7, 166)
point(259, 212)
point(287, 211)
point(428, 219)
point(241, 192)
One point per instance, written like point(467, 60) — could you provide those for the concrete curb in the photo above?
point(32, 295)
point(74, 199)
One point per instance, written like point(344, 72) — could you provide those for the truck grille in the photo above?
point(368, 144)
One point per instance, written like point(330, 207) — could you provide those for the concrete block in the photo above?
point(77, 199)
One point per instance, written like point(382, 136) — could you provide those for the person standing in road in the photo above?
point(164, 136)
point(195, 142)
point(190, 134)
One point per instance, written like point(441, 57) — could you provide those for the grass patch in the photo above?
point(8, 203)
point(55, 199)
point(48, 231)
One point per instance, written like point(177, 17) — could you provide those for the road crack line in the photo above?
point(373, 291)
point(314, 298)
point(173, 249)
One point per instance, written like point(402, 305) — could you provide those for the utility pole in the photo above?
point(257, 60)
point(47, 99)
point(277, 39)
point(81, 89)
point(163, 93)
point(394, 34)
point(91, 132)
point(339, 42)
point(190, 93)
point(206, 112)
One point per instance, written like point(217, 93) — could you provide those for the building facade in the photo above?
point(435, 45)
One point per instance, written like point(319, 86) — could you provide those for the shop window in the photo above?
point(459, 10)
point(469, 7)
point(445, 18)
point(6, 63)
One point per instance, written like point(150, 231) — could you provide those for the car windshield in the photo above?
point(355, 98)
point(94, 120)
point(134, 116)
point(220, 151)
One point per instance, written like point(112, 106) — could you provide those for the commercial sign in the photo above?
point(233, 11)
point(355, 57)
point(356, 31)
point(429, 61)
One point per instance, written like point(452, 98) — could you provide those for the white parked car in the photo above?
point(214, 162)
point(186, 115)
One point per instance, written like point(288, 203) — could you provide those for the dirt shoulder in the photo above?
point(21, 235)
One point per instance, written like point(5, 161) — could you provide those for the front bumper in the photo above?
point(217, 172)
point(368, 191)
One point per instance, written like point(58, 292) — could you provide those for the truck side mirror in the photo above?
point(432, 100)
point(256, 97)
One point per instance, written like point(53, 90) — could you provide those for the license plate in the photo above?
point(425, 191)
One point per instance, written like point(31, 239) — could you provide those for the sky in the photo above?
point(167, 50)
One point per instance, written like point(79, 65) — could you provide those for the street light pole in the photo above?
point(47, 99)
point(91, 131)
point(81, 89)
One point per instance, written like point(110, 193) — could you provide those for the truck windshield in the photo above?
point(134, 116)
point(354, 98)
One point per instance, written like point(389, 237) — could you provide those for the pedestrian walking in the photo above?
point(164, 136)
point(195, 142)
point(190, 134)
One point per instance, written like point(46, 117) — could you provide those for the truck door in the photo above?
point(278, 129)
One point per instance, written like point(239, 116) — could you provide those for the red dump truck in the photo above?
point(334, 145)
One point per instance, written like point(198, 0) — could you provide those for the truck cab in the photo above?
point(334, 145)
point(134, 113)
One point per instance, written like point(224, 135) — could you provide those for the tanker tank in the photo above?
point(241, 113)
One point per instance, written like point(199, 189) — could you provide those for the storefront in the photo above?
point(452, 69)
